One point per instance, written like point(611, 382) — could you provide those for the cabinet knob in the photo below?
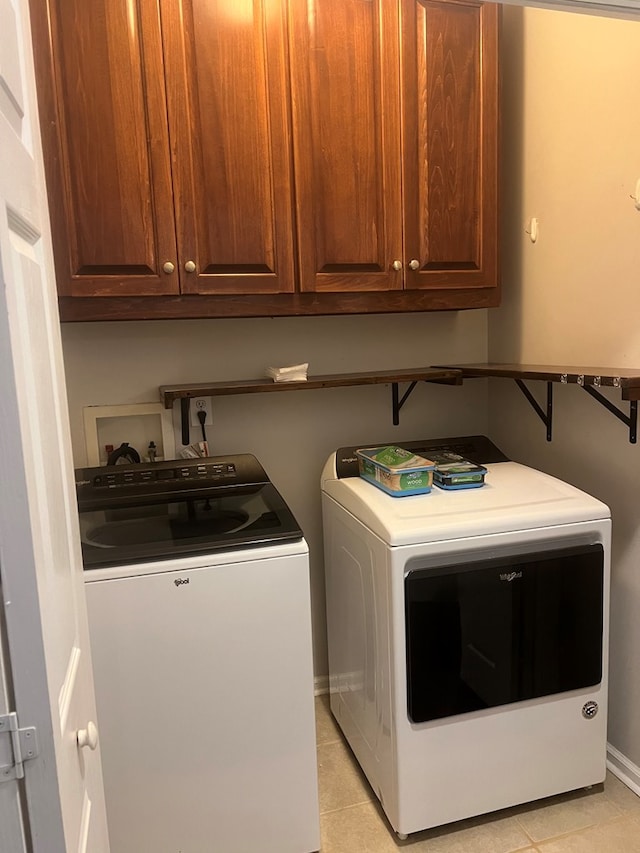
point(190, 266)
point(397, 265)
point(414, 264)
point(89, 736)
point(168, 267)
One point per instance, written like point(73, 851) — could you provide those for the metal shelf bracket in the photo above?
point(591, 379)
point(545, 416)
point(398, 402)
point(630, 420)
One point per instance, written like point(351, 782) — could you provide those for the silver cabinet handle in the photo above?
point(168, 267)
point(397, 265)
point(190, 266)
point(414, 264)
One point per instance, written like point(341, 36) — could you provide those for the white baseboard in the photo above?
point(321, 684)
point(625, 770)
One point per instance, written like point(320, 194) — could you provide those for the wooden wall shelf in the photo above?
point(625, 378)
point(184, 393)
point(589, 378)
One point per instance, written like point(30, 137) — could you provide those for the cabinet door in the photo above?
point(105, 135)
point(450, 100)
point(230, 143)
point(346, 125)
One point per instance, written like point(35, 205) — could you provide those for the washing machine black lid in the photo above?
point(137, 513)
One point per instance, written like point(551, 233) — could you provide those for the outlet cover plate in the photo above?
point(199, 404)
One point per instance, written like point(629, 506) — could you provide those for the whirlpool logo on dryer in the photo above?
point(510, 576)
point(181, 581)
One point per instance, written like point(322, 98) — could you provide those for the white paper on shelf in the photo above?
point(293, 373)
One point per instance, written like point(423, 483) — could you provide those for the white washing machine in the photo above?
point(468, 636)
point(197, 582)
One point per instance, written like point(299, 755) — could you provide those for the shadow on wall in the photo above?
point(505, 323)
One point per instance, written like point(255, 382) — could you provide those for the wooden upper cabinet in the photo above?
point(346, 132)
point(396, 143)
point(106, 145)
point(450, 157)
point(210, 158)
point(167, 145)
point(227, 96)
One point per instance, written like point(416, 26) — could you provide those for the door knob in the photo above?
point(190, 266)
point(168, 267)
point(89, 736)
point(397, 265)
point(414, 264)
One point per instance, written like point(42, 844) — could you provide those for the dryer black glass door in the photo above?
point(488, 633)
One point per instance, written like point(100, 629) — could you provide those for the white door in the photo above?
point(45, 666)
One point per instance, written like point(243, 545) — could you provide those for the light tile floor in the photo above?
point(605, 819)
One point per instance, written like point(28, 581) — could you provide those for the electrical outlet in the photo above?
point(201, 404)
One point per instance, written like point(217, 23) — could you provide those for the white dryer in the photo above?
point(468, 636)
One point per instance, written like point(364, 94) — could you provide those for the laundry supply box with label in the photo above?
point(395, 470)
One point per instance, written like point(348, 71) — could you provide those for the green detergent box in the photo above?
point(396, 471)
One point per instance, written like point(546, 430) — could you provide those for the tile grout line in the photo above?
point(347, 808)
point(563, 835)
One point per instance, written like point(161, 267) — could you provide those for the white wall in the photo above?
point(571, 123)
point(292, 433)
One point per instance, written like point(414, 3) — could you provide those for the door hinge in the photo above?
point(24, 746)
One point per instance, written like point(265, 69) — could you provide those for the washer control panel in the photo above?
point(111, 478)
point(137, 483)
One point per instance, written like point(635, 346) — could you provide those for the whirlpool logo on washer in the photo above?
point(181, 581)
point(510, 576)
